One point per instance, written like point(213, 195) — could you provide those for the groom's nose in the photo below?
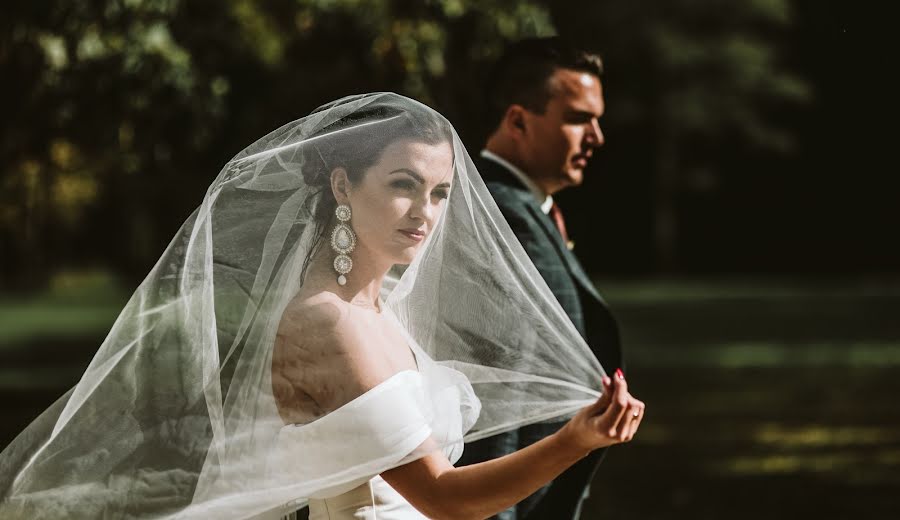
point(593, 137)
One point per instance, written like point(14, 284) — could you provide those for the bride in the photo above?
point(345, 308)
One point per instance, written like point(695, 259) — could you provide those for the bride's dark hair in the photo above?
point(350, 143)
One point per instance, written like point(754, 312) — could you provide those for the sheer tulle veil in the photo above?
point(175, 415)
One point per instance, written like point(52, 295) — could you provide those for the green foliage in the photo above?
point(703, 80)
point(123, 110)
point(713, 69)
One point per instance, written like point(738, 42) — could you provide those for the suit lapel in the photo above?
point(572, 263)
point(491, 170)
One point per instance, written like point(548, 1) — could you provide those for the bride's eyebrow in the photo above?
point(411, 173)
point(418, 177)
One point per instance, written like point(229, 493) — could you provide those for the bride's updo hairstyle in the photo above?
point(348, 143)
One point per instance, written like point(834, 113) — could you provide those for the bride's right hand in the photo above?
point(614, 418)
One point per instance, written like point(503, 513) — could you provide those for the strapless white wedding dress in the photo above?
point(375, 499)
point(386, 425)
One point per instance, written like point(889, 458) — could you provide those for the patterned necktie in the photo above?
point(556, 215)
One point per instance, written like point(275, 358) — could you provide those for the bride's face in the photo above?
point(398, 201)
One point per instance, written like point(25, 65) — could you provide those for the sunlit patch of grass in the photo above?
point(781, 437)
point(818, 435)
point(657, 292)
point(74, 304)
point(788, 463)
point(772, 464)
point(36, 320)
point(743, 354)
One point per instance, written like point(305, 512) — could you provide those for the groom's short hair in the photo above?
point(521, 75)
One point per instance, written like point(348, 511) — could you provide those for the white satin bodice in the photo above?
point(373, 500)
point(379, 430)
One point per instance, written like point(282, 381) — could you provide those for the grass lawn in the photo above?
point(765, 399)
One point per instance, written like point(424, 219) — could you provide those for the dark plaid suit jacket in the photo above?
point(590, 315)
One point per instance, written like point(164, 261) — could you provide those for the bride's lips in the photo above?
point(413, 234)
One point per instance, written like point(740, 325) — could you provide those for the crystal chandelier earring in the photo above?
point(343, 240)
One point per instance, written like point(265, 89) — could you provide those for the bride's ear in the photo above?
point(340, 185)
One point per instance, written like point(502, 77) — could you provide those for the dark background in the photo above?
point(748, 138)
point(741, 219)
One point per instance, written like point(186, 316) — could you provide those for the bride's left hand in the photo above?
point(614, 418)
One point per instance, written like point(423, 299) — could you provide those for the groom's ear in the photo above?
point(340, 185)
point(514, 120)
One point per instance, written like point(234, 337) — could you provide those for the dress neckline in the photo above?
point(365, 396)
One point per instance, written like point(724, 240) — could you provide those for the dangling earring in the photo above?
point(343, 240)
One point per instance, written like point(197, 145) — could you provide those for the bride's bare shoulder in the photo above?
point(316, 317)
point(310, 355)
point(323, 324)
point(331, 334)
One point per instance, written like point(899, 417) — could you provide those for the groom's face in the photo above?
point(564, 137)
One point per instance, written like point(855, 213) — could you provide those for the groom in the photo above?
point(544, 99)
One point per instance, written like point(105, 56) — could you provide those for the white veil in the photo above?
point(175, 415)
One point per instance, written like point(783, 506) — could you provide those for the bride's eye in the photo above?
point(441, 194)
point(403, 184)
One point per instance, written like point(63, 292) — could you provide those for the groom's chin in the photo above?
point(575, 177)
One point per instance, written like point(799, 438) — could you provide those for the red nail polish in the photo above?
point(620, 374)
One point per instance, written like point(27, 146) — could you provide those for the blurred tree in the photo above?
point(700, 75)
point(122, 111)
point(82, 135)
